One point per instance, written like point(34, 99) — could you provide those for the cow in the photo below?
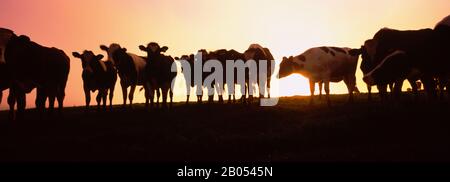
point(189, 76)
point(424, 50)
point(366, 67)
point(223, 55)
point(30, 65)
point(323, 64)
point(158, 72)
point(130, 68)
point(97, 75)
point(258, 53)
point(442, 31)
point(393, 69)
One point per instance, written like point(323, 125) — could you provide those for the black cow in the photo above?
point(199, 85)
point(130, 68)
point(158, 72)
point(189, 77)
point(30, 66)
point(423, 49)
point(97, 75)
point(382, 84)
point(258, 53)
point(223, 55)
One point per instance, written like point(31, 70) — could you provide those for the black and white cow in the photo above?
point(130, 67)
point(158, 72)
point(323, 64)
point(97, 75)
point(424, 50)
point(30, 65)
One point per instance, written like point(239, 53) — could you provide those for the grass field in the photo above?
point(291, 131)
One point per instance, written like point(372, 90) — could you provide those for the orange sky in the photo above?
point(287, 27)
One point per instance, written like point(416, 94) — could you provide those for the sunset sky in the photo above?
point(286, 27)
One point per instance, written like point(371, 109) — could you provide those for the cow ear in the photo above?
point(76, 54)
point(142, 48)
point(355, 52)
point(164, 49)
point(99, 57)
point(103, 47)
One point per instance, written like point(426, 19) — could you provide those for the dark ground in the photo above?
point(292, 131)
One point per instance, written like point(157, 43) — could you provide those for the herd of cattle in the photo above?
point(389, 58)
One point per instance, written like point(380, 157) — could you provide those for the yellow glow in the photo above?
point(287, 27)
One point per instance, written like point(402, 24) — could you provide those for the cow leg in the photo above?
point(12, 103)
point(268, 87)
point(151, 96)
point(312, 90)
point(320, 89)
point(430, 87)
point(51, 103)
point(124, 94)
point(131, 96)
point(111, 96)
point(60, 97)
point(327, 91)
point(199, 97)
point(104, 98)
point(382, 89)
point(99, 98)
point(87, 96)
point(261, 90)
point(158, 95)
point(398, 89)
point(220, 92)
point(164, 97)
point(211, 93)
point(40, 101)
point(369, 93)
point(147, 96)
point(171, 97)
point(414, 89)
point(350, 82)
point(21, 104)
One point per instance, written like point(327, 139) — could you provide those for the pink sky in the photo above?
point(287, 27)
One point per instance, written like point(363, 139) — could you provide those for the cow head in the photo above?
point(112, 52)
point(288, 66)
point(390, 69)
point(5, 37)
point(153, 49)
point(89, 61)
point(367, 52)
